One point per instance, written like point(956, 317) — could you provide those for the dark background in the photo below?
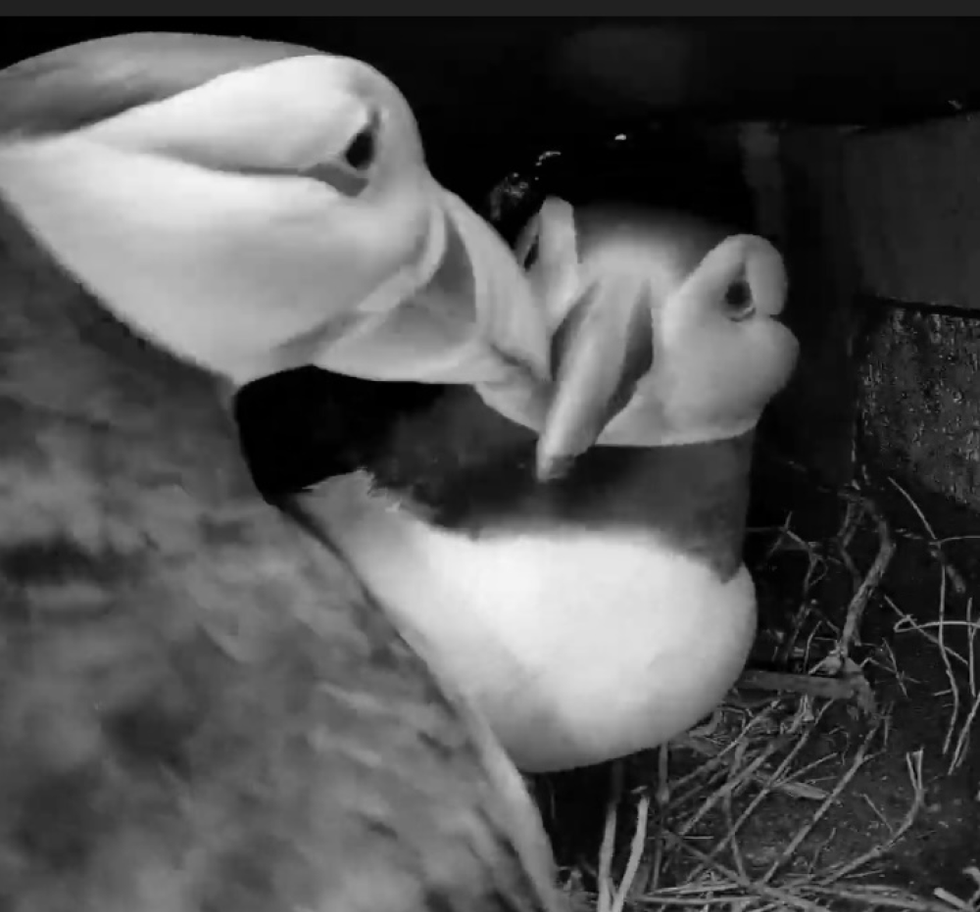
point(487, 91)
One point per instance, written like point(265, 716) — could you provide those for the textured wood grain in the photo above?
point(920, 398)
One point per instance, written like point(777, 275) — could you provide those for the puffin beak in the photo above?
point(476, 321)
point(275, 212)
point(646, 282)
point(240, 222)
point(553, 270)
point(599, 352)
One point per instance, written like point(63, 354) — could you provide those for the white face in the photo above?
point(715, 352)
point(720, 351)
point(228, 221)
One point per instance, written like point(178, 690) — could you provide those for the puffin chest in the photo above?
point(590, 616)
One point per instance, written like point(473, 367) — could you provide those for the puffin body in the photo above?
point(589, 618)
point(576, 567)
point(268, 210)
point(200, 707)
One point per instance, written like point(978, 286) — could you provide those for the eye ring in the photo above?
point(739, 302)
point(362, 149)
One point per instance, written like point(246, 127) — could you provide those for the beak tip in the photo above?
point(552, 467)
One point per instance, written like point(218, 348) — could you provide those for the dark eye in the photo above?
point(360, 153)
point(738, 300)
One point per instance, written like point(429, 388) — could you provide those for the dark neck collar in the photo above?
point(465, 467)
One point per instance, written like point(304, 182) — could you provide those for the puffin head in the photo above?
point(242, 203)
point(664, 329)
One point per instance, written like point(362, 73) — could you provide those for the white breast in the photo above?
point(578, 647)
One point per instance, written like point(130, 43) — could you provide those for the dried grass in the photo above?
point(692, 845)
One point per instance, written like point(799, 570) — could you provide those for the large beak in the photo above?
point(658, 345)
point(202, 188)
point(601, 335)
point(553, 271)
point(204, 221)
point(477, 320)
point(601, 350)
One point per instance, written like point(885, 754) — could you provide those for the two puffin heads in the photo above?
point(253, 207)
point(257, 206)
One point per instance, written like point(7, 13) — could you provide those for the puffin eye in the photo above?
point(738, 300)
point(361, 150)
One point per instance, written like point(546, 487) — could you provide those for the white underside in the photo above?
point(578, 648)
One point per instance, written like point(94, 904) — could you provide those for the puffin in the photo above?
point(570, 556)
point(201, 707)
point(260, 207)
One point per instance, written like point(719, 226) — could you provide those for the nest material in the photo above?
point(700, 833)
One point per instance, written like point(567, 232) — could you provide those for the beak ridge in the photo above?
point(600, 352)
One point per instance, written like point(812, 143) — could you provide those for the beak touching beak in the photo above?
point(720, 350)
point(599, 353)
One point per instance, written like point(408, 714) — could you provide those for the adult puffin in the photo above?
point(572, 559)
point(199, 706)
point(261, 206)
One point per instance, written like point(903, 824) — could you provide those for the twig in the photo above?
point(972, 629)
point(604, 876)
point(636, 851)
point(947, 666)
point(860, 758)
point(971, 626)
point(754, 886)
point(963, 741)
point(736, 851)
point(872, 579)
point(849, 686)
point(914, 764)
point(799, 620)
point(731, 785)
point(935, 544)
point(806, 790)
point(764, 792)
point(941, 624)
point(657, 900)
point(663, 799)
point(718, 760)
point(874, 897)
point(907, 624)
point(918, 510)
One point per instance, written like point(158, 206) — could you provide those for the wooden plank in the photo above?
point(816, 414)
point(920, 398)
point(913, 199)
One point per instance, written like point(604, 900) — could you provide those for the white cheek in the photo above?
point(215, 267)
point(288, 114)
